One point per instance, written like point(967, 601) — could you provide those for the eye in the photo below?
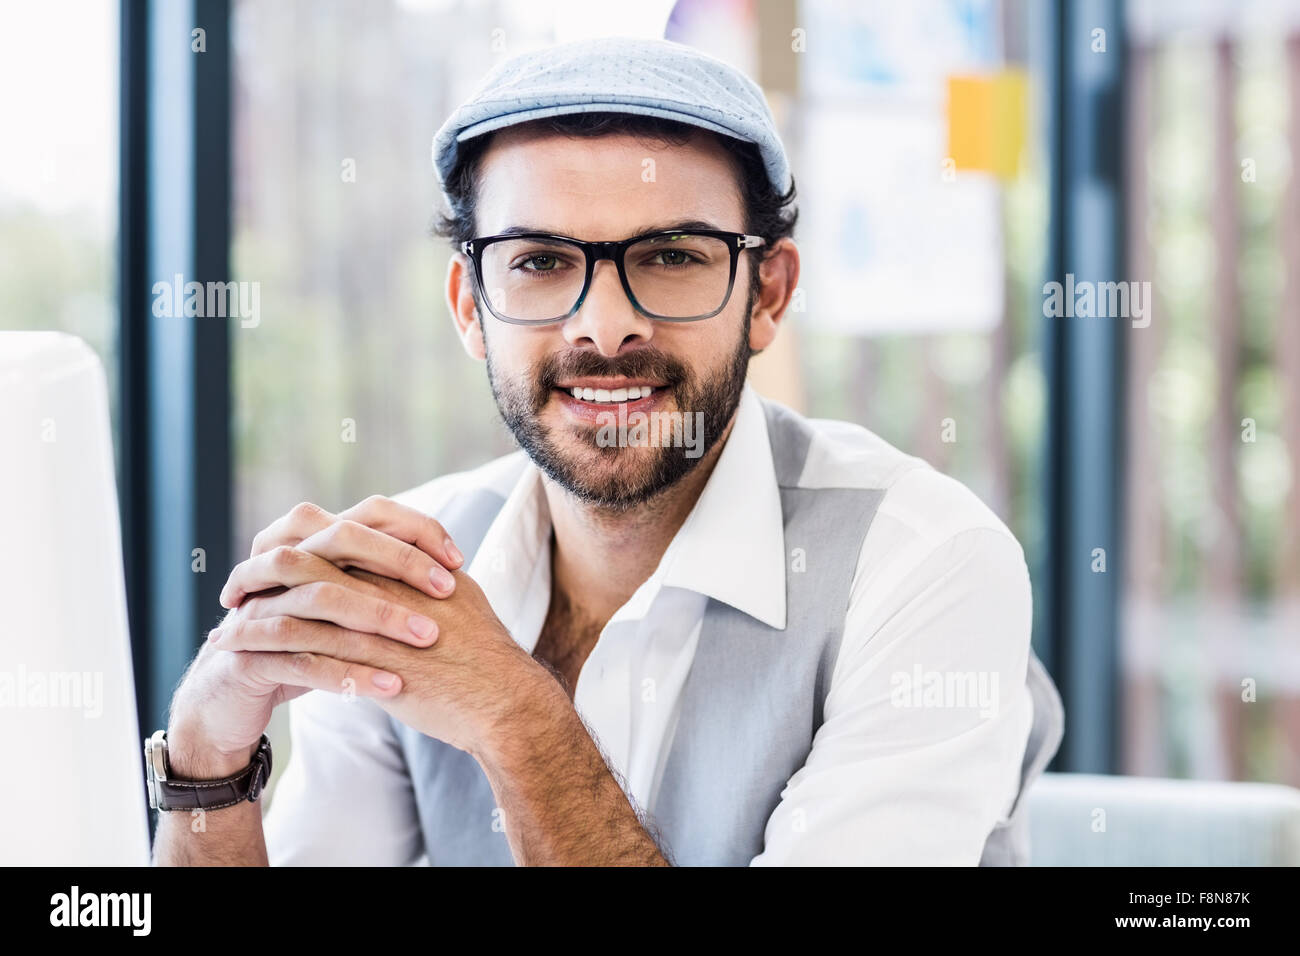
point(673, 257)
point(539, 261)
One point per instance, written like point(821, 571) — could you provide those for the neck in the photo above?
point(599, 557)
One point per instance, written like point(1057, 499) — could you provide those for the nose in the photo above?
point(607, 320)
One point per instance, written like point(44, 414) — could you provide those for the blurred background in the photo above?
point(952, 157)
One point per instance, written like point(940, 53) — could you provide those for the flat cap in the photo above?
point(621, 75)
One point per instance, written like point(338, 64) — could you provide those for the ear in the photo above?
point(460, 301)
point(778, 278)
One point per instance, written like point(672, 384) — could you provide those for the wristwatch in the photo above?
point(169, 793)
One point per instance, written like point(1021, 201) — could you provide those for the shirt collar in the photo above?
point(513, 562)
point(731, 547)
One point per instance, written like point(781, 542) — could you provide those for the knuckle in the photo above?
point(324, 538)
point(317, 592)
point(301, 662)
point(417, 521)
point(338, 535)
point(283, 627)
point(407, 558)
point(385, 612)
point(285, 557)
point(305, 511)
point(335, 596)
point(238, 629)
point(348, 676)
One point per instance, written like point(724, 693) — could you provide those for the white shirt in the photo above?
point(940, 588)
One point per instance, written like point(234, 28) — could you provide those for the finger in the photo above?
point(318, 672)
point(302, 521)
point(295, 635)
point(282, 566)
point(406, 523)
point(349, 608)
point(349, 543)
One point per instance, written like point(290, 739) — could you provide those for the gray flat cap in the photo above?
point(621, 75)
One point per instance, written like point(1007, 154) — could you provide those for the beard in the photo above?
point(619, 478)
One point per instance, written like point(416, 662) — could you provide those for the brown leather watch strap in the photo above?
point(174, 794)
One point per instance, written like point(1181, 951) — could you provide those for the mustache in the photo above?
point(642, 363)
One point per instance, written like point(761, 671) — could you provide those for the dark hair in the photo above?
point(768, 213)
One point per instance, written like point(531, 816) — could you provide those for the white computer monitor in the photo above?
point(73, 779)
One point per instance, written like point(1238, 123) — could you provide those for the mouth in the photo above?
point(593, 402)
point(606, 392)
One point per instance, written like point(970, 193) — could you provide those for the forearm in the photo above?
point(230, 836)
point(561, 803)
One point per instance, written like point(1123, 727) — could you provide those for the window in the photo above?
point(58, 174)
point(1211, 656)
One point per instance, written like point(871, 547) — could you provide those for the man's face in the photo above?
point(611, 188)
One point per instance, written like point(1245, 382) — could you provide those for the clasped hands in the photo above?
point(373, 602)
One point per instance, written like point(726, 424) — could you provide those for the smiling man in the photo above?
point(682, 624)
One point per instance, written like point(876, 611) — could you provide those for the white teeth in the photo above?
point(612, 397)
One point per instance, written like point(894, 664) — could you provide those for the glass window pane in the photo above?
point(353, 382)
point(1211, 655)
point(58, 172)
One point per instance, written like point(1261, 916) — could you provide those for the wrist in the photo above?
point(192, 756)
point(512, 737)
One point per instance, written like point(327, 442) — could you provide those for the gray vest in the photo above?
point(750, 706)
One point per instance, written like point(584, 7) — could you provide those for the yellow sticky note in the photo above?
point(986, 122)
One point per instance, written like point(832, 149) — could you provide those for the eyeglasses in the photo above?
point(535, 278)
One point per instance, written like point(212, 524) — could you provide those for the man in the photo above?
point(682, 624)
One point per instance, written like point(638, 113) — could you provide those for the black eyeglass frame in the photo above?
point(614, 251)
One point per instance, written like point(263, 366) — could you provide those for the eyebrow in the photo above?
point(674, 226)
